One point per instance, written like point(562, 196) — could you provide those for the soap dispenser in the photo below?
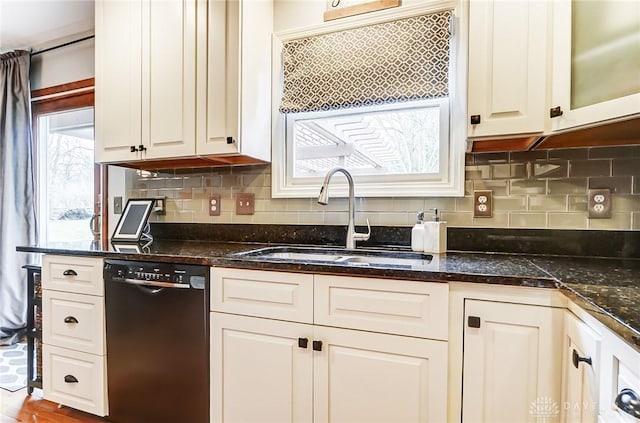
point(417, 234)
point(435, 234)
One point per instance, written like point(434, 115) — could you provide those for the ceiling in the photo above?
point(37, 24)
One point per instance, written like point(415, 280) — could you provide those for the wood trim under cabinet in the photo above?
point(498, 145)
point(624, 132)
point(63, 88)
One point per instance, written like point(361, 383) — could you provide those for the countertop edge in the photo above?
point(605, 317)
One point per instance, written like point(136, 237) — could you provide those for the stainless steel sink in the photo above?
point(340, 257)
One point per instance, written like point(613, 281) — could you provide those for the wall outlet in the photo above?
point(160, 207)
point(245, 203)
point(599, 203)
point(117, 205)
point(482, 203)
point(214, 205)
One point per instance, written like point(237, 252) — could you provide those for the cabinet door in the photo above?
point(512, 370)
point(507, 66)
point(259, 373)
point(234, 74)
point(118, 87)
point(168, 78)
point(596, 61)
point(580, 362)
point(369, 377)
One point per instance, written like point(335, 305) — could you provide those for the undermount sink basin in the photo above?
point(338, 256)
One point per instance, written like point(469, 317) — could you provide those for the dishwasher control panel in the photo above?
point(172, 273)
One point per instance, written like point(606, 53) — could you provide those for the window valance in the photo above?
point(402, 60)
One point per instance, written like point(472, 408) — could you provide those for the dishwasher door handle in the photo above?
point(157, 283)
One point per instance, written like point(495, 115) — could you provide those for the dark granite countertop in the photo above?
point(607, 288)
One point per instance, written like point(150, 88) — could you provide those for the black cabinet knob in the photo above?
point(230, 140)
point(475, 119)
point(133, 149)
point(70, 379)
point(577, 359)
point(142, 148)
point(70, 319)
point(473, 321)
point(629, 402)
point(317, 345)
point(70, 272)
point(555, 112)
point(303, 342)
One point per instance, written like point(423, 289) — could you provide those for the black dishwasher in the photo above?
point(157, 318)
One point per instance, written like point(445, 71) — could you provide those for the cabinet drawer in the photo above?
point(73, 321)
point(621, 369)
point(82, 275)
point(75, 379)
point(276, 295)
point(390, 306)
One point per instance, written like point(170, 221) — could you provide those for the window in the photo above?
point(69, 182)
point(398, 133)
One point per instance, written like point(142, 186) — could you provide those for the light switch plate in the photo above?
point(482, 203)
point(214, 205)
point(599, 203)
point(245, 203)
point(117, 205)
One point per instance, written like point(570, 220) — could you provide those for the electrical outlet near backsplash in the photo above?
point(537, 189)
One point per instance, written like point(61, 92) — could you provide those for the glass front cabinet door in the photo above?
point(596, 62)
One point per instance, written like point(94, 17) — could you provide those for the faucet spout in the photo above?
point(323, 198)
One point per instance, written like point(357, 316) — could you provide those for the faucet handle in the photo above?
point(363, 237)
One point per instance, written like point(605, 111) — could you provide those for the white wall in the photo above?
point(290, 14)
point(63, 65)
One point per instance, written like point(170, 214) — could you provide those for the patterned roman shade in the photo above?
point(402, 60)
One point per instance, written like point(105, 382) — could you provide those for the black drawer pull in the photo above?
point(475, 119)
point(629, 402)
point(577, 359)
point(70, 319)
point(70, 379)
point(303, 342)
point(70, 272)
point(317, 345)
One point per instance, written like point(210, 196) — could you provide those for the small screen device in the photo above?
point(133, 223)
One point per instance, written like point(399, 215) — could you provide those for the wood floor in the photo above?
point(20, 407)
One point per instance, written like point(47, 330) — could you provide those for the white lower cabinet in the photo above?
point(269, 370)
point(511, 364)
point(580, 362)
point(258, 371)
point(619, 381)
point(73, 333)
point(373, 377)
point(75, 379)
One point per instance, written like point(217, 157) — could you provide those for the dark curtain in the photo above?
point(17, 190)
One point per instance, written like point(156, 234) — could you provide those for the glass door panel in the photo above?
point(67, 198)
point(605, 56)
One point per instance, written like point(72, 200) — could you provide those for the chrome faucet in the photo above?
point(323, 198)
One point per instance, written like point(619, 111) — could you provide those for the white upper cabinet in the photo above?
point(177, 79)
point(596, 61)
point(507, 67)
point(118, 80)
point(234, 71)
point(168, 78)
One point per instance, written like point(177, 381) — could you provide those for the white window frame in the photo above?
point(449, 183)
